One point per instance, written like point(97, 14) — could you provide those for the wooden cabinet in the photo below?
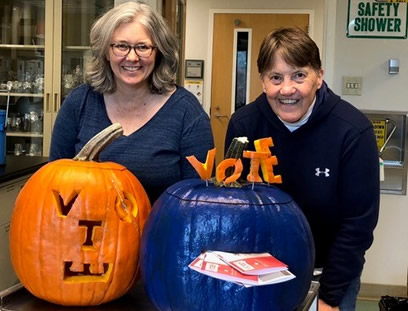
point(44, 46)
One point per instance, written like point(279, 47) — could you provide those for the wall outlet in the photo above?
point(352, 85)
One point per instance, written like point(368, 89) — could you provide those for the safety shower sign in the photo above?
point(377, 19)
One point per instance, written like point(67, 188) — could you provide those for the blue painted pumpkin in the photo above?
point(191, 217)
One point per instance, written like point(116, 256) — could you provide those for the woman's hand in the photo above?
point(325, 307)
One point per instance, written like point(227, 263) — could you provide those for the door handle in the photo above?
point(47, 102)
point(218, 116)
point(57, 105)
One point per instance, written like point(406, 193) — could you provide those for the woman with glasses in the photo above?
point(131, 80)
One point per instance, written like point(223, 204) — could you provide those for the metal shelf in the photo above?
point(23, 94)
point(22, 46)
point(24, 134)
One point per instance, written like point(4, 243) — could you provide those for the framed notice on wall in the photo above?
point(194, 68)
point(386, 19)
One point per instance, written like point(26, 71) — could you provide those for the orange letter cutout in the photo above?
point(203, 169)
point(221, 168)
point(262, 145)
point(255, 157)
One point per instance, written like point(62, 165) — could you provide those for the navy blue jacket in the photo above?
point(330, 167)
point(155, 153)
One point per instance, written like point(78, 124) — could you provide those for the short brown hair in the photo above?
point(293, 45)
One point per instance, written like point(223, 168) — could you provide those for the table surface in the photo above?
point(136, 299)
point(22, 300)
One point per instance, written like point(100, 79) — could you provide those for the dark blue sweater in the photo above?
point(330, 167)
point(155, 153)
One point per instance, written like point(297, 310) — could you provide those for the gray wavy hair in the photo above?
point(99, 73)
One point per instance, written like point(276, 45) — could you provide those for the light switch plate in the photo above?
point(352, 85)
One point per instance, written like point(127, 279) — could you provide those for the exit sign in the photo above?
point(377, 19)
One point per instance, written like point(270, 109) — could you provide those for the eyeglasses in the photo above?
point(123, 49)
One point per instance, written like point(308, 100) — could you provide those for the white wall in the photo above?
point(387, 259)
point(155, 4)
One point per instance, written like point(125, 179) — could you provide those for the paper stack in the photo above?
point(245, 269)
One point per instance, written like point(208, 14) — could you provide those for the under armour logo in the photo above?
point(325, 172)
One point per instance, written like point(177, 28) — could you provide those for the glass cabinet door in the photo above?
point(44, 47)
point(77, 19)
point(22, 32)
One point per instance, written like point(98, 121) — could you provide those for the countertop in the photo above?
point(136, 299)
point(18, 166)
point(22, 300)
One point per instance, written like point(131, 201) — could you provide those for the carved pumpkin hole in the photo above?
point(90, 231)
point(86, 274)
point(126, 207)
point(62, 208)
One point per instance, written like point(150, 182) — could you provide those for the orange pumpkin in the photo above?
point(76, 229)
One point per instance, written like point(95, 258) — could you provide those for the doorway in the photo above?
point(235, 80)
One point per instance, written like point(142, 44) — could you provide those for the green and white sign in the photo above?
point(377, 19)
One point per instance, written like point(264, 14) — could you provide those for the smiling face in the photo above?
point(290, 90)
point(131, 70)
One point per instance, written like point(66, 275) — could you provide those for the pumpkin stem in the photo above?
point(90, 152)
point(235, 150)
